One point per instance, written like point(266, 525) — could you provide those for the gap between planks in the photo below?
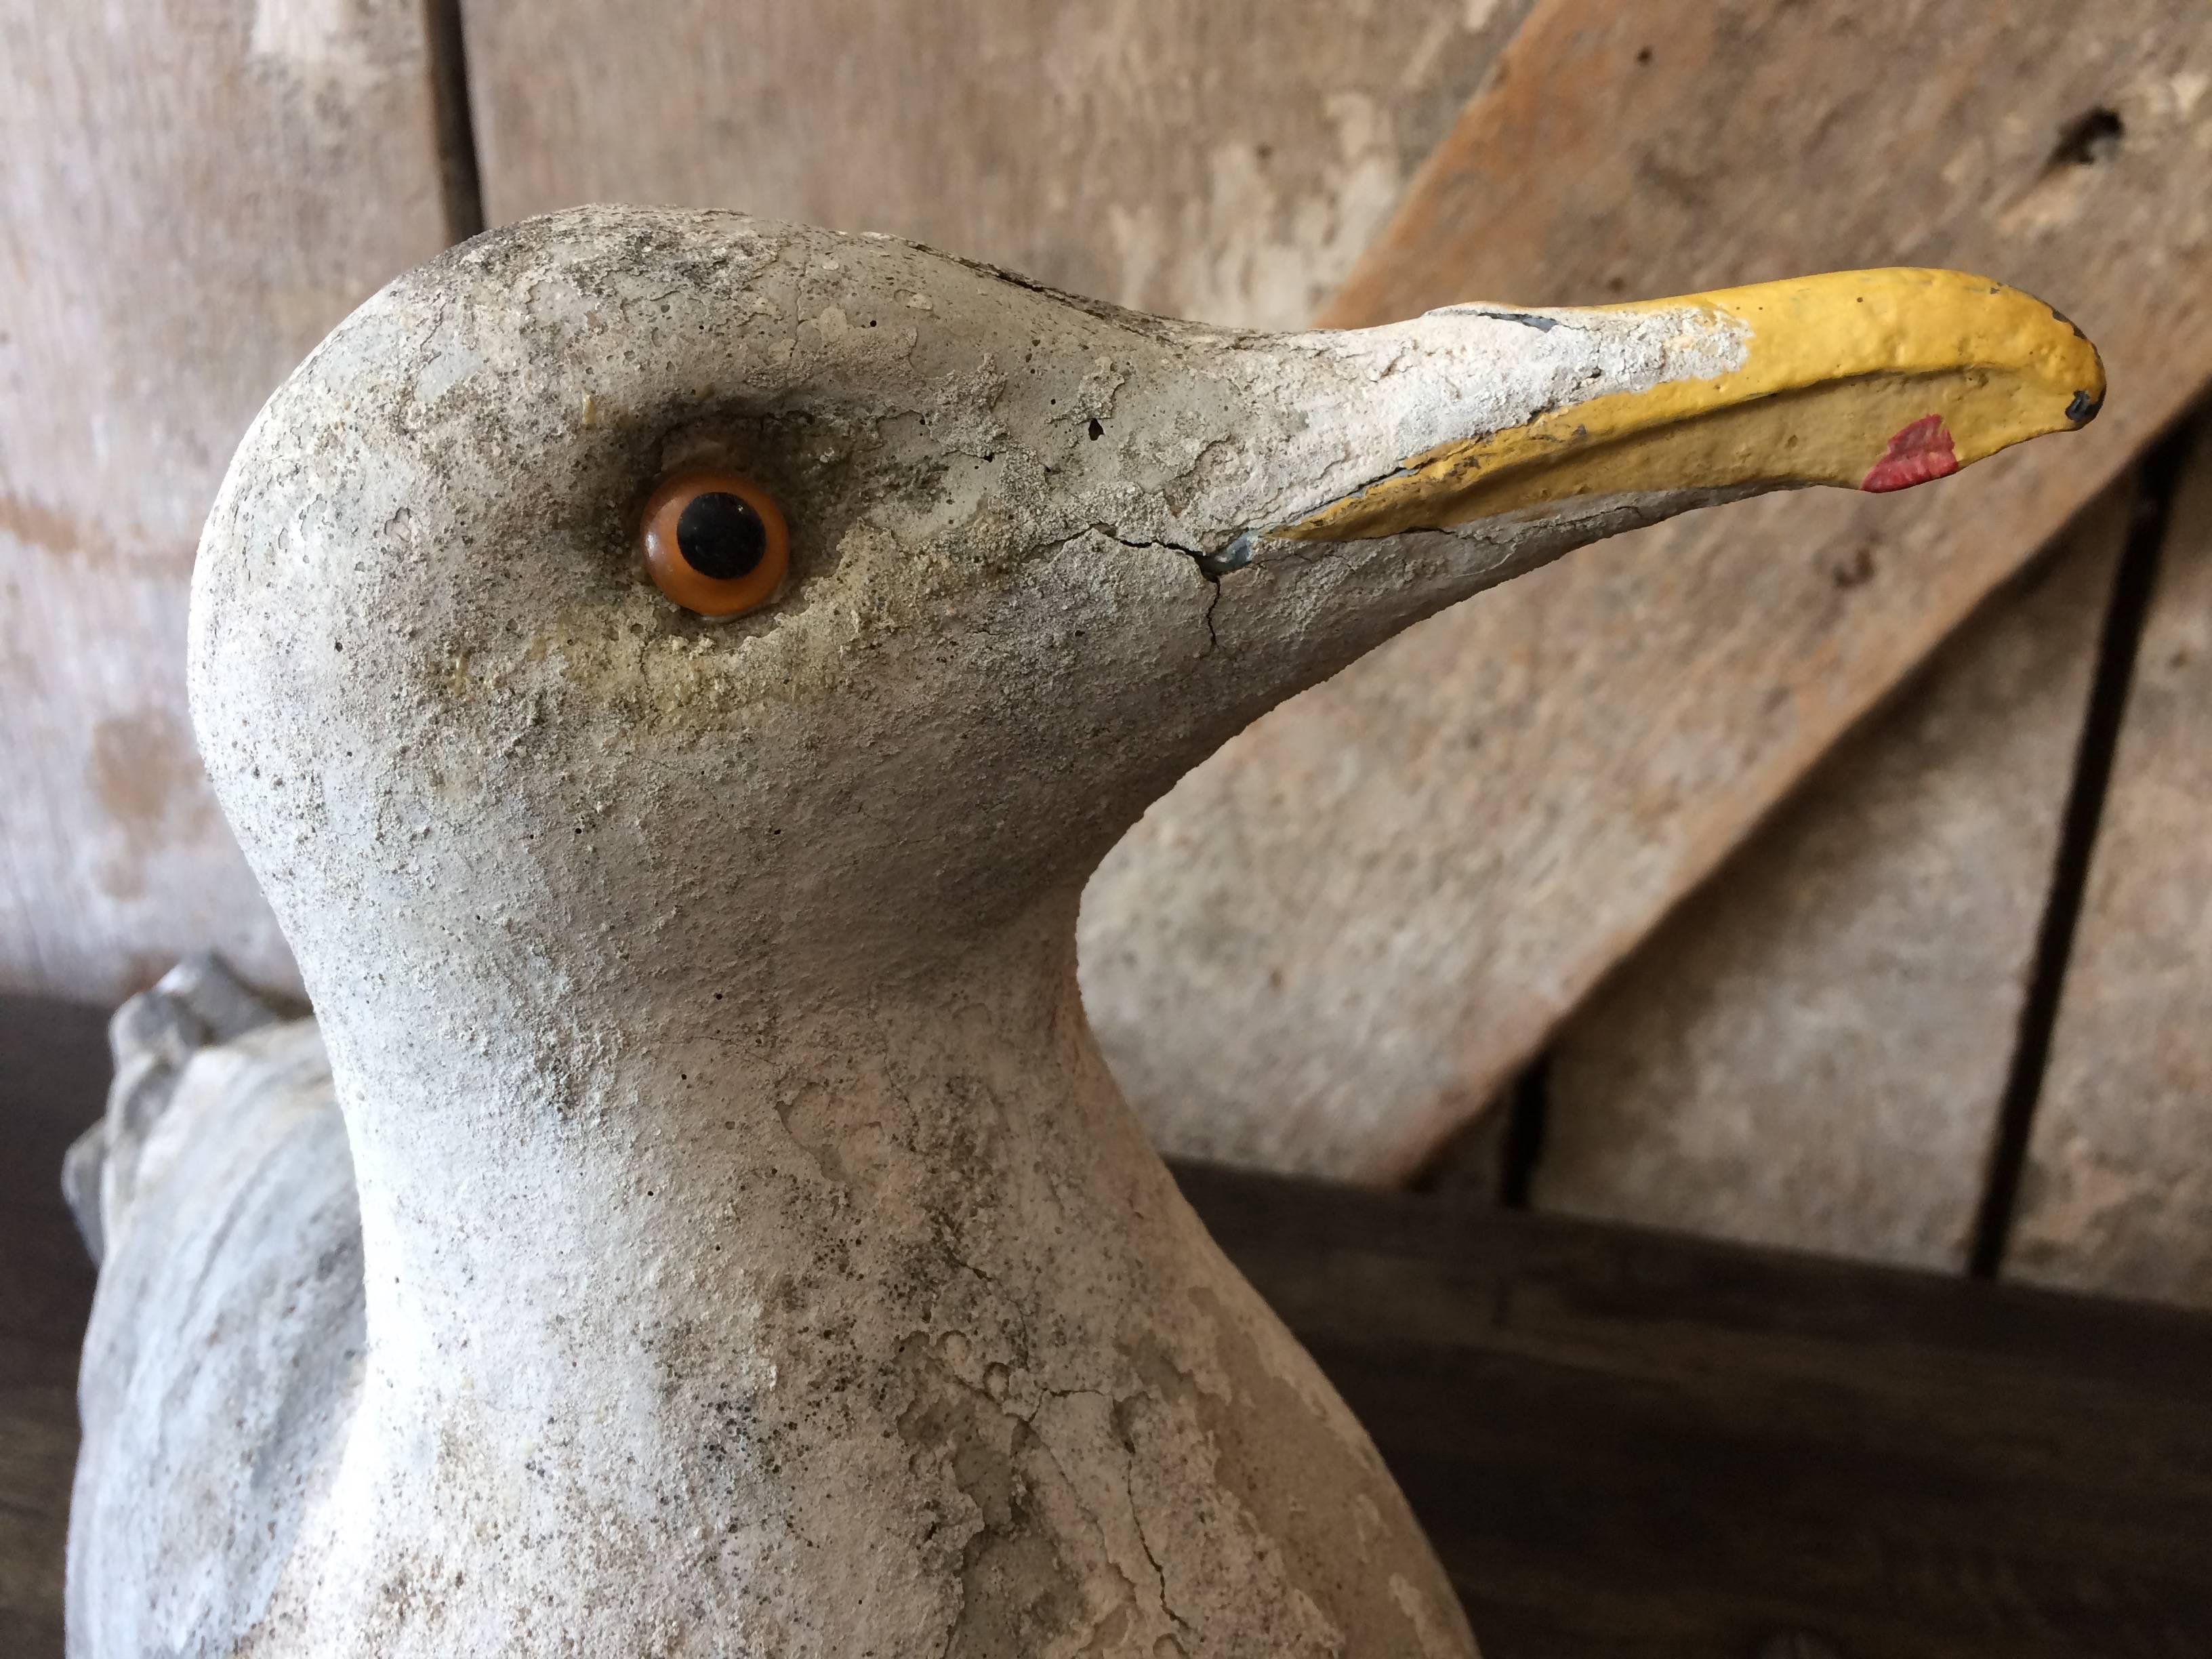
point(460, 179)
point(2126, 614)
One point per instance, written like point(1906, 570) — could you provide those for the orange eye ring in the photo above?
point(715, 543)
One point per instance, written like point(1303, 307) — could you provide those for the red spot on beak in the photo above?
point(1921, 452)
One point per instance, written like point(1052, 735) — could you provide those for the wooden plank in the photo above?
point(53, 1072)
point(1813, 1051)
point(1227, 161)
point(1327, 948)
point(1627, 1444)
point(188, 197)
point(2118, 1191)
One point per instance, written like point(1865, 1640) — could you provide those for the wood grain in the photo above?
point(1812, 1051)
point(190, 197)
point(1227, 161)
point(1329, 946)
point(2117, 1193)
point(1626, 1446)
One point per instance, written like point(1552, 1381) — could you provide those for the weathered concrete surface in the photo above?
point(2117, 1193)
point(227, 1331)
point(1812, 1051)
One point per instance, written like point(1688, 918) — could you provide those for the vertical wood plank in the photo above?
point(53, 1074)
point(1811, 1052)
point(2117, 1193)
point(190, 195)
point(1332, 943)
point(1228, 161)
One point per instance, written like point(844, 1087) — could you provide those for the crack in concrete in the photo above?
point(1098, 1524)
point(1043, 1442)
point(1136, 1515)
point(1211, 566)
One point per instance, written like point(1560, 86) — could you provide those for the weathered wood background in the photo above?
point(1438, 855)
point(191, 194)
point(1751, 824)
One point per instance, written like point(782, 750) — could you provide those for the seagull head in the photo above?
point(795, 611)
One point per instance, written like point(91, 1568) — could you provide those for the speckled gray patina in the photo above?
point(753, 1255)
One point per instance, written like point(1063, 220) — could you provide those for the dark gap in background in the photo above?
point(459, 182)
point(2124, 615)
point(1527, 1110)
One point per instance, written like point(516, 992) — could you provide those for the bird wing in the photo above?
point(225, 1345)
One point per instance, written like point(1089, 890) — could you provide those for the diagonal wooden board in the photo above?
point(1434, 858)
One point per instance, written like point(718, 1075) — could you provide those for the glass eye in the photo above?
point(715, 543)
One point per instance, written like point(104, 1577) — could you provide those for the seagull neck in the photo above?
point(556, 1201)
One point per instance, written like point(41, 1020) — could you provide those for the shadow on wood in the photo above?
point(53, 1075)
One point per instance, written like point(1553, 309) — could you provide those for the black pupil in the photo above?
point(720, 536)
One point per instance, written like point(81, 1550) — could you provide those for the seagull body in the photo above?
point(715, 1232)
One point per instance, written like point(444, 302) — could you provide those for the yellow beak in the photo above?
point(1869, 379)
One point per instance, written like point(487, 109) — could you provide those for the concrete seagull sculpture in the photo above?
point(672, 674)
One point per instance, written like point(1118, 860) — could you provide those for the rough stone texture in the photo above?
point(1226, 162)
point(2117, 1193)
point(190, 198)
point(1330, 947)
point(1811, 1052)
point(756, 1254)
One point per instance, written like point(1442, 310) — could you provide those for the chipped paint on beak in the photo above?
point(1873, 380)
